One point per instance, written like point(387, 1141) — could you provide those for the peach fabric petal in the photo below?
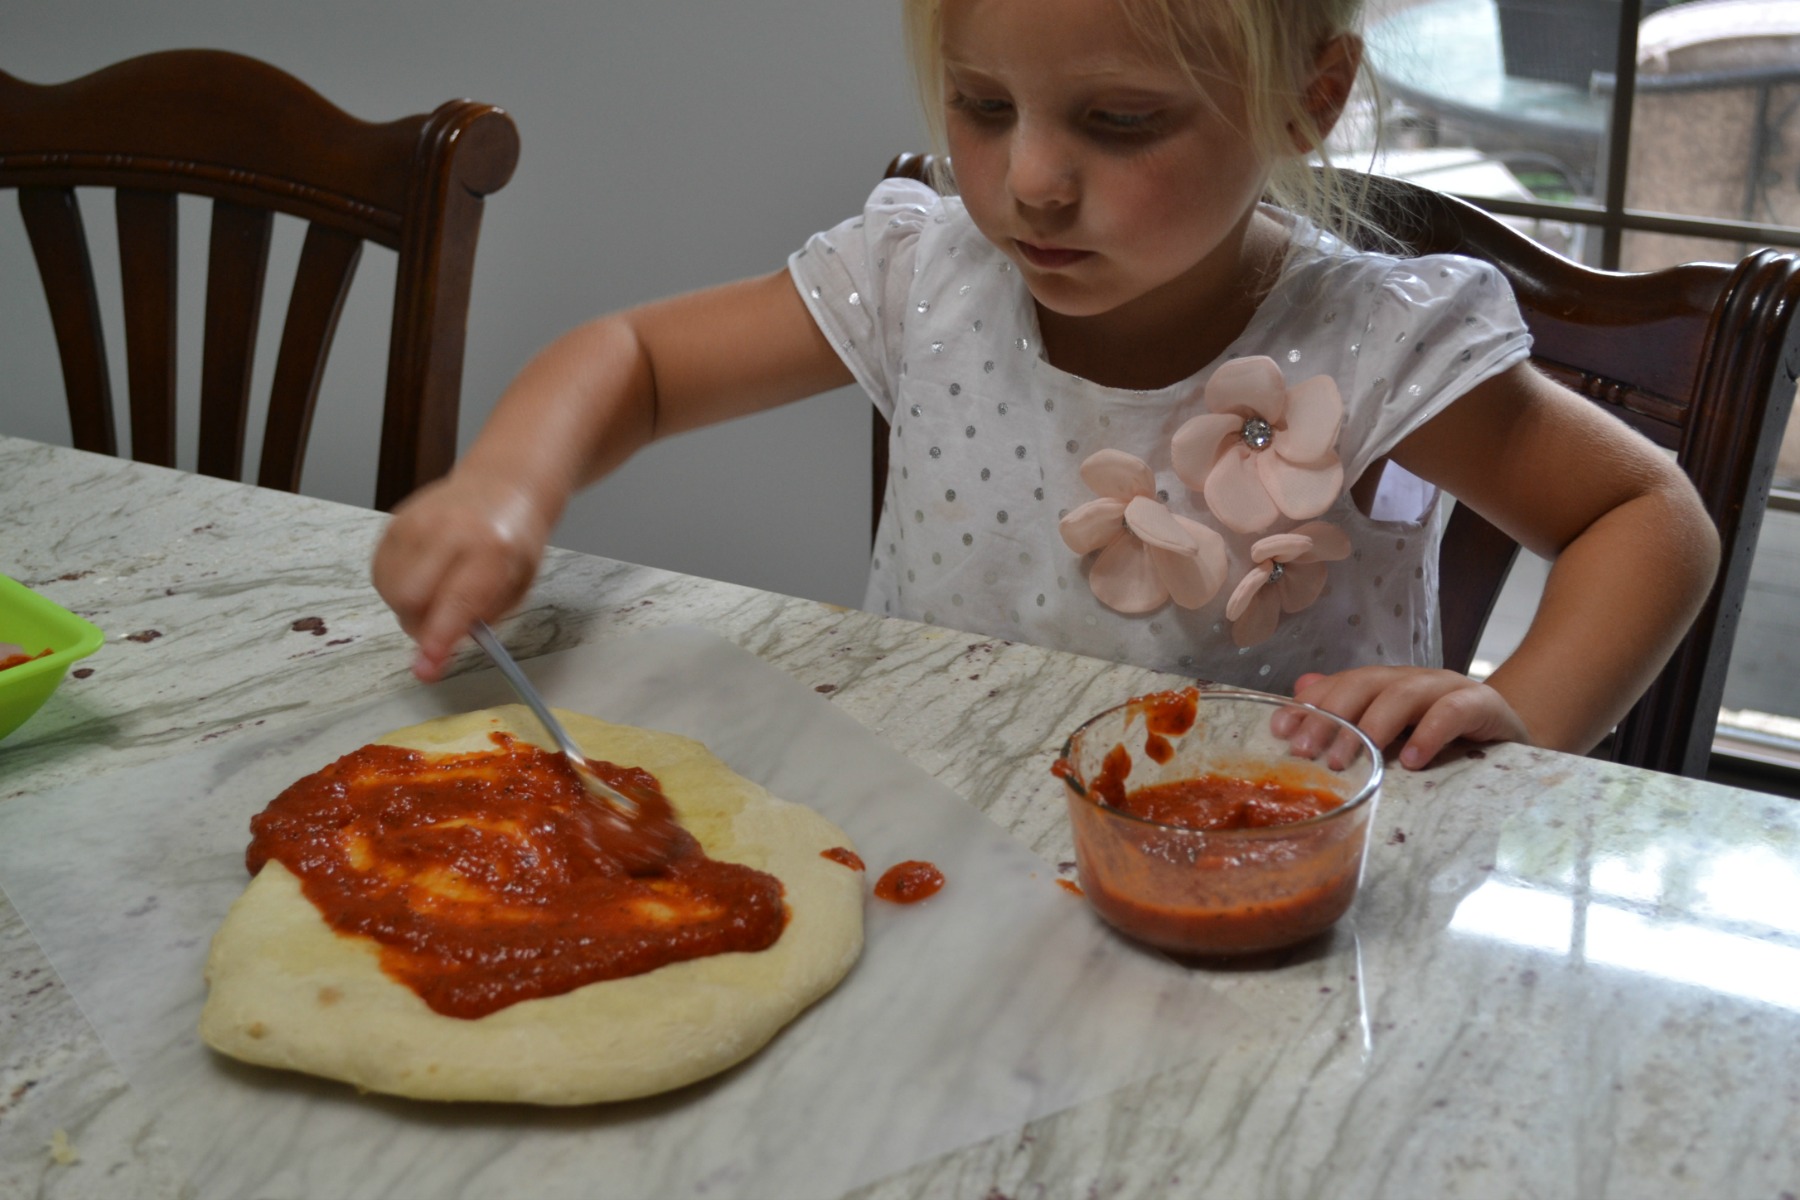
point(1235, 492)
point(1300, 584)
point(1124, 579)
point(1246, 591)
point(1280, 547)
point(1118, 474)
point(1193, 576)
point(1329, 543)
point(1209, 554)
point(1315, 412)
point(1300, 491)
point(1248, 385)
point(1093, 525)
point(1180, 575)
point(1157, 526)
point(1259, 620)
point(1197, 444)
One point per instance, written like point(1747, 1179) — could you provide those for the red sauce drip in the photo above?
point(844, 855)
point(1216, 802)
point(1169, 713)
point(1070, 886)
point(1109, 785)
point(486, 877)
point(1158, 748)
point(909, 882)
point(19, 660)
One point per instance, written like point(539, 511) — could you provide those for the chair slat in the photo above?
point(327, 262)
point(147, 282)
point(59, 243)
point(237, 260)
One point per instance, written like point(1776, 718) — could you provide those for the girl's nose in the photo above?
point(1040, 171)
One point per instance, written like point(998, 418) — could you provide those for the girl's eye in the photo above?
point(1122, 122)
point(977, 106)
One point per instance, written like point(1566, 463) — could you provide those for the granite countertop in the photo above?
point(1563, 977)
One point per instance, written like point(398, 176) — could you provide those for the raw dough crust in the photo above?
point(286, 990)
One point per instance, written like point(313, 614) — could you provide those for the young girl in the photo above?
point(1141, 406)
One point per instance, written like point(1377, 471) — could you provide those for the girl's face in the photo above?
point(1104, 171)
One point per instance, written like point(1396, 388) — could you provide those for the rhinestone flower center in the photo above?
point(1258, 434)
point(1276, 571)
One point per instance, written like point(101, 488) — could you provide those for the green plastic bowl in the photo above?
point(32, 623)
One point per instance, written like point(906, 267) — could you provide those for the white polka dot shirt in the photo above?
point(988, 437)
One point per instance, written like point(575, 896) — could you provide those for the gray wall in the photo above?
point(667, 144)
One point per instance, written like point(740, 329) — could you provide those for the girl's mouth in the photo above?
point(1050, 258)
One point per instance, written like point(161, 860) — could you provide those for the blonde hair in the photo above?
point(1271, 47)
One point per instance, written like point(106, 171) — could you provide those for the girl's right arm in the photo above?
point(468, 545)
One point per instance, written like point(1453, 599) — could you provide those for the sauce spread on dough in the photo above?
point(909, 882)
point(485, 880)
point(843, 855)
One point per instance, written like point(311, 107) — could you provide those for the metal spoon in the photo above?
point(484, 637)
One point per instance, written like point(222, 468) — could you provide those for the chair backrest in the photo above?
point(257, 142)
point(1702, 359)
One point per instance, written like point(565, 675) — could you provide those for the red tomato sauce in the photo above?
point(1250, 907)
point(1251, 920)
point(909, 882)
point(1218, 802)
point(1195, 896)
point(486, 879)
point(19, 660)
point(843, 855)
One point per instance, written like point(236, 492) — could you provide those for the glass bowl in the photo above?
point(1155, 787)
point(29, 621)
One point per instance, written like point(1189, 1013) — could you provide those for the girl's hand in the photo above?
point(1439, 706)
point(463, 547)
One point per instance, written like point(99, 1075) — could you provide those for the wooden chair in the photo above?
point(257, 142)
point(1702, 359)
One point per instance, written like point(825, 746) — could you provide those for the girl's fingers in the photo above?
point(1287, 720)
point(1384, 702)
point(479, 584)
point(1476, 712)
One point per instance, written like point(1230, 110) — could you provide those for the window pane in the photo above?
point(1759, 689)
point(1713, 123)
point(1510, 79)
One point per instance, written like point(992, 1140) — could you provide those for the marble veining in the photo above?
point(1563, 978)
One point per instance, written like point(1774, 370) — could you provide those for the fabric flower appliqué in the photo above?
point(1147, 554)
point(1287, 575)
point(1262, 449)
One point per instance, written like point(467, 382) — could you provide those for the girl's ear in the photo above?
point(1328, 91)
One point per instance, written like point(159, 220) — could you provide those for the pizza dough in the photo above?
point(286, 990)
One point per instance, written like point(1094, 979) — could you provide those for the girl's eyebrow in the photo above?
point(1123, 77)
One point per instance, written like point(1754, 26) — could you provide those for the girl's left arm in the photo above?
point(1633, 554)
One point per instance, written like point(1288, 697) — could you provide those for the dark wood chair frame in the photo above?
point(1701, 359)
point(257, 142)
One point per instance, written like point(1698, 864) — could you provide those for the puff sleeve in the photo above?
point(856, 279)
point(1436, 327)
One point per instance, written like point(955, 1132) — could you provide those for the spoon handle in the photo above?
point(485, 638)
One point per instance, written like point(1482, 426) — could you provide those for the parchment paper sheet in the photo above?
point(999, 1001)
